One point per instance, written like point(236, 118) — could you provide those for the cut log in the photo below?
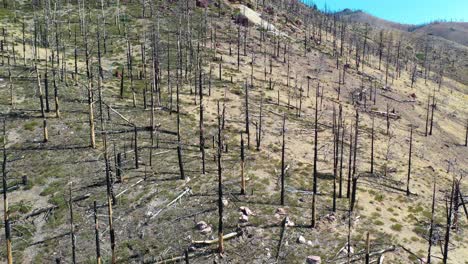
point(215, 241)
point(50, 208)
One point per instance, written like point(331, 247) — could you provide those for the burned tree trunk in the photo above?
point(315, 140)
point(466, 136)
point(433, 106)
point(242, 167)
point(91, 116)
point(282, 159)
point(96, 233)
point(449, 209)
point(372, 147)
point(409, 163)
point(427, 115)
point(247, 122)
point(431, 227)
point(220, 187)
point(6, 214)
point(72, 226)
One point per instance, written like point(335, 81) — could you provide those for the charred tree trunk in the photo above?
point(372, 147)
point(220, 187)
point(6, 214)
point(72, 226)
point(282, 159)
point(242, 167)
point(315, 140)
point(409, 163)
point(431, 227)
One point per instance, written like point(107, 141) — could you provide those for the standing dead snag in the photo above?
point(372, 147)
point(72, 225)
point(135, 146)
point(433, 106)
point(335, 132)
point(91, 115)
point(96, 233)
point(259, 126)
point(409, 163)
point(283, 132)
point(247, 127)
point(315, 139)
point(242, 156)
point(367, 248)
point(220, 188)
point(45, 131)
point(466, 136)
point(6, 214)
point(110, 200)
point(449, 210)
point(431, 227)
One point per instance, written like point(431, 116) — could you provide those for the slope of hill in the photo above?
point(146, 131)
point(453, 31)
point(363, 17)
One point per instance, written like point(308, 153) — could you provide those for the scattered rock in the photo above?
point(246, 211)
point(201, 225)
point(202, 3)
point(281, 211)
point(313, 260)
point(351, 250)
point(243, 218)
point(225, 202)
point(330, 218)
point(289, 223)
point(301, 240)
point(310, 243)
point(206, 230)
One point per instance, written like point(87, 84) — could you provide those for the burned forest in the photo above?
point(223, 131)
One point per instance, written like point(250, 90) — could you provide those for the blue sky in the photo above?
point(403, 11)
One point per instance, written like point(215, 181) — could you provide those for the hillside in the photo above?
point(226, 132)
point(440, 37)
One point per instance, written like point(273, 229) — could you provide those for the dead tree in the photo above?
point(315, 140)
point(220, 187)
point(372, 147)
point(433, 106)
point(466, 136)
point(96, 233)
point(283, 132)
point(110, 200)
point(449, 210)
point(431, 227)
point(242, 167)
point(6, 214)
point(91, 115)
point(335, 132)
point(427, 115)
point(340, 188)
point(259, 126)
point(367, 248)
point(72, 225)
point(247, 122)
point(350, 164)
point(409, 162)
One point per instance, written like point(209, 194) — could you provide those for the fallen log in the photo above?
point(214, 241)
point(51, 208)
point(49, 238)
point(133, 185)
point(283, 232)
point(187, 190)
point(361, 256)
point(385, 114)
